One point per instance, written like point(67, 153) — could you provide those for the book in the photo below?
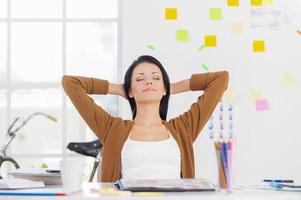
point(48, 176)
point(17, 183)
point(165, 185)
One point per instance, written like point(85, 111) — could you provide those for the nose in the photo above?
point(149, 83)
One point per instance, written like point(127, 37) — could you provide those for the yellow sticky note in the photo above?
point(171, 14)
point(258, 46)
point(255, 94)
point(182, 35)
point(256, 2)
point(210, 40)
point(237, 28)
point(289, 79)
point(215, 13)
point(230, 95)
point(233, 2)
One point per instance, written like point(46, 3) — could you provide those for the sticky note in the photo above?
point(230, 95)
point(289, 80)
point(150, 47)
point(262, 104)
point(237, 28)
point(182, 35)
point(171, 14)
point(215, 13)
point(210, 40)
point(233, 2)
point(258, 46)
point(269, 1)
point(255, 94)
point(256, 2)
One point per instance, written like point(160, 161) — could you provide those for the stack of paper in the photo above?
point(17, 183)
point(37, 174)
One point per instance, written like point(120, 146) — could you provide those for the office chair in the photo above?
point(92, 149)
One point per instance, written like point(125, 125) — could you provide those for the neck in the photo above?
point(148, 114)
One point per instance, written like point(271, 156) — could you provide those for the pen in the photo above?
point(53, 171)
point(278, 181)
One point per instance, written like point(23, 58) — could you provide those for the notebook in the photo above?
point(165, 185)
point(17, 183)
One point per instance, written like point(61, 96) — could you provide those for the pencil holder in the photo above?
point(225, 152)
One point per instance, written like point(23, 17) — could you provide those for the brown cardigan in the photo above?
point(113, 131)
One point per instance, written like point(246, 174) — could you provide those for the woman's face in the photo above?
point(147, 83)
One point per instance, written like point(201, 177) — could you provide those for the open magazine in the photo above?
point(165, 185)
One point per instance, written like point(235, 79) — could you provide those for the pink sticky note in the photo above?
point(262, 105)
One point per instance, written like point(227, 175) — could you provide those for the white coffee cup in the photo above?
point(72, 172)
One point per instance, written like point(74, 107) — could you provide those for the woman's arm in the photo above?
point(179, 87)
point(213, 84)
point(116, 89)
point(78, 88)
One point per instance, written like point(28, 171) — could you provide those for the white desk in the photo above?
point(244, 194)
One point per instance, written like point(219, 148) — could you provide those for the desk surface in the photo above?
point(90, 191)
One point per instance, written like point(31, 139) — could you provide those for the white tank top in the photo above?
point(151, 159)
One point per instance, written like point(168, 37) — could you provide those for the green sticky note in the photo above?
point(150, 47)
point(182, 35)
point(215, 13)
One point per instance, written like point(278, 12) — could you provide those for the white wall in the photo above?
point(267, 141)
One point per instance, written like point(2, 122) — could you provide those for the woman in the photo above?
point(147, 146)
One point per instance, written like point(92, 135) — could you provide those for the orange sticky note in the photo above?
point(262, 105)
point(230, 95)
point(210, 40)
point(233, 2)
point(237, 28)
point(182, 35)
point(256, 2)
point(171, 14)
point(289, 79)
point(258, 46)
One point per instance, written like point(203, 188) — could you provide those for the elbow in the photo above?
point(225, 77)
point(65, 81)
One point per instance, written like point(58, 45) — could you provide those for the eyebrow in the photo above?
point(143, 73)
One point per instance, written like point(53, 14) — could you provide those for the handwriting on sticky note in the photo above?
point(258, 46)
point(215, 13)
point(210, 40)
point(171, 14)
point(289, 79)
point(262, 104)
point(256, 2)
point(182, 35)
point(233, 3)
point(255, 94)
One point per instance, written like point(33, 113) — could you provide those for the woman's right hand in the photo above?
point(116, 89)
